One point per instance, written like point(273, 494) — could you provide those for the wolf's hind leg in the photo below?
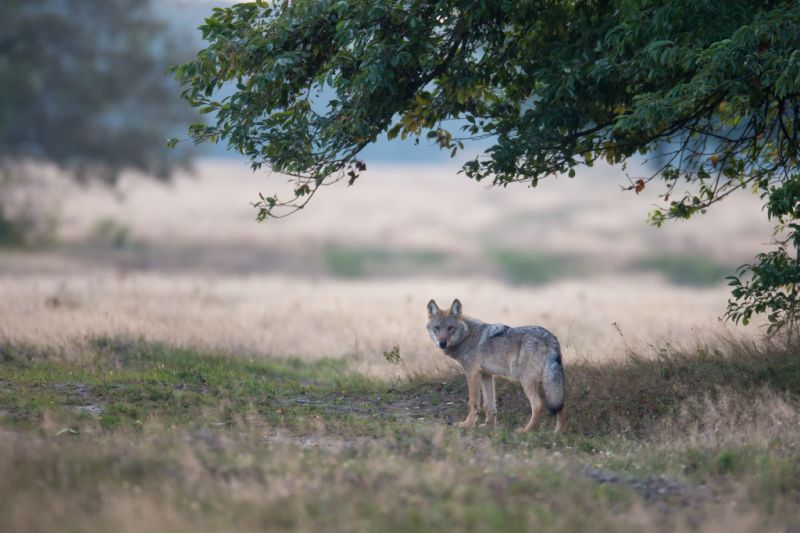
point(537, 405)
point(487, 386)
point(560, 421)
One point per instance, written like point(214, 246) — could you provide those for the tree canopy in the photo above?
point(710, 88)
point(82, 87)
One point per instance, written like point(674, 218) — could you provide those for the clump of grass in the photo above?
point(392, 355)
point(530, 268)
point(357, 262)
point(110, 232)
point(346, 262)
point(682, 269)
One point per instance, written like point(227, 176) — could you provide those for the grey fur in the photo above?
point(528, 354)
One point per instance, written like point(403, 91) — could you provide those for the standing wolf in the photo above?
point(528, 354)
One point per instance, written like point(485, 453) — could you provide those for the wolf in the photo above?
point(528, 354)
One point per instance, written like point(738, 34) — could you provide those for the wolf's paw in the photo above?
point(488, 423)
point(523, 429)
point(466, 424)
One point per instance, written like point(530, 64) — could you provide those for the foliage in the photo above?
point(82, 87)
point(710, 87)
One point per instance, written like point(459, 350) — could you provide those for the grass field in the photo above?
point(167, 364)
point(133, 435)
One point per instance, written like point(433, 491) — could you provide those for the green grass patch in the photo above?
point(690, 270)
point(534, 268)
point(358, 262)
point(110, 232)
point(531, 268)
point(130, 381)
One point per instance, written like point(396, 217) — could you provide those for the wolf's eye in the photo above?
point(435, 328)
point(451, 329)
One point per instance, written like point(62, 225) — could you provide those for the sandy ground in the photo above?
point(54, 297)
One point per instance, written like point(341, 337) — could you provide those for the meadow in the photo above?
point(168, 364)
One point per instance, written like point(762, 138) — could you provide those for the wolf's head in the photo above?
point(446, 328)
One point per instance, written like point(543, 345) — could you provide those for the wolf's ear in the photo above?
point(455, 309)
point(432, 309)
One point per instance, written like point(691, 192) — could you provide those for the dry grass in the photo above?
point(357, 320)
point(736, 393)
point(187, 481)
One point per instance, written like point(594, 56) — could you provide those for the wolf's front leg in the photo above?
point(473, 384)
point(490, 408)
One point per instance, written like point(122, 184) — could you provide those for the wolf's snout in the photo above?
point(442, 344)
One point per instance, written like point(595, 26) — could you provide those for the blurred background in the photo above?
point(106, 231)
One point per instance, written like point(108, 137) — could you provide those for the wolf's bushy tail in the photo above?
point(553, 380)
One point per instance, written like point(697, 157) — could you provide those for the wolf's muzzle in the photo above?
point(442, 344)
